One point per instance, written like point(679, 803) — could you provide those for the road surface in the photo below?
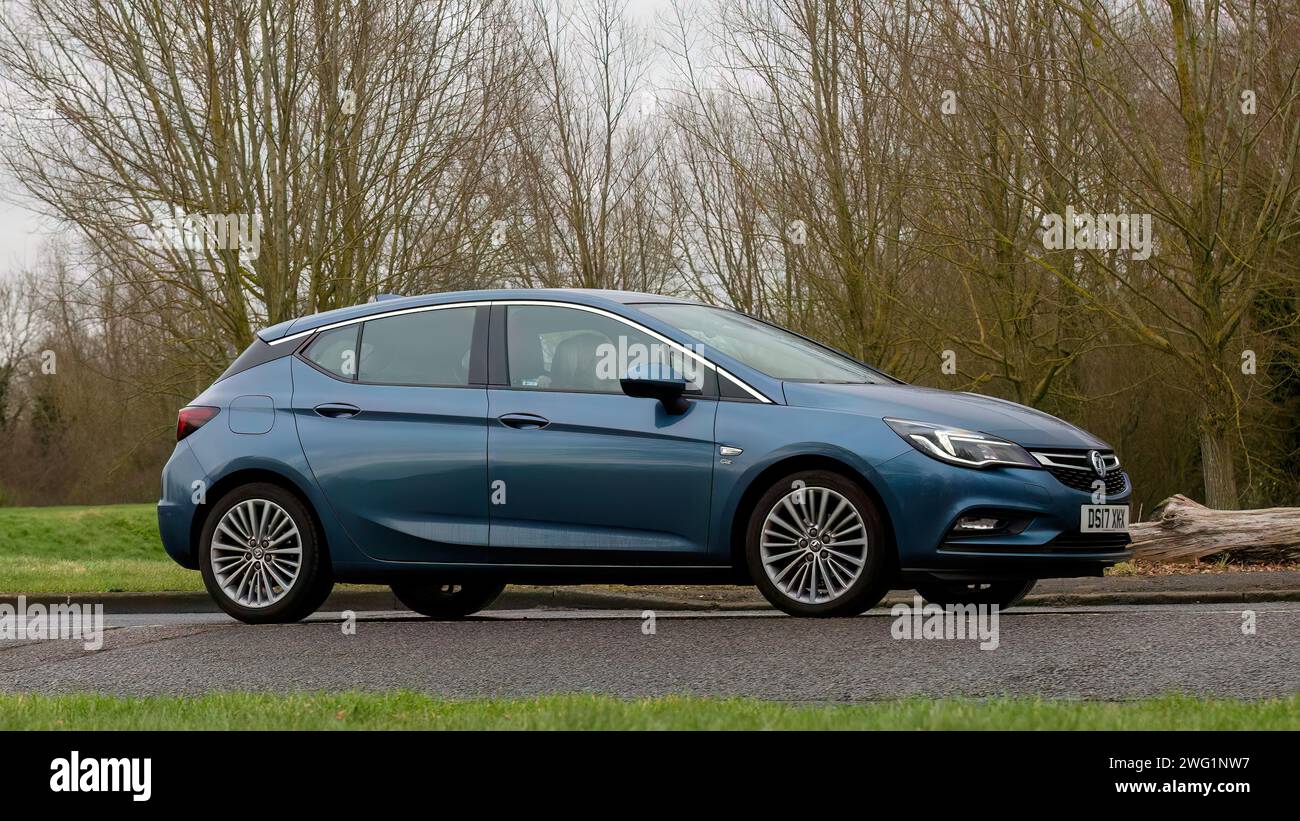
point(1117, 652)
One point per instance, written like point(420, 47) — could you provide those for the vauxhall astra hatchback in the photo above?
point(448, 445)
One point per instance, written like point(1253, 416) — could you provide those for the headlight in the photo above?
point(961, 447)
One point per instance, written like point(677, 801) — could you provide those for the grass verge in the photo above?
point(402, 710)
point(90, 549)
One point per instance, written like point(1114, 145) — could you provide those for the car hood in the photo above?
point(1025, 426)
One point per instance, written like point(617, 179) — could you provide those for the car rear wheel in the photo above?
point(1003, 594)
point(261, 557)
point(447, 600)
point(816, 546)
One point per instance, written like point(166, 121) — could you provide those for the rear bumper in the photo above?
point(176, 508)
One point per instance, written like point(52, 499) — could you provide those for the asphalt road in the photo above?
point(1102, 652)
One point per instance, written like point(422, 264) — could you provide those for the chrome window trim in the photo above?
point(542, 302)
point(382, 315)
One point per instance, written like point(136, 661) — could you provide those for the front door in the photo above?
point(578, 472)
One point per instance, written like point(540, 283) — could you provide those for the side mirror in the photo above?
point(666, 387)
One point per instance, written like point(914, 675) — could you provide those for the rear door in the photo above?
point(391, 413)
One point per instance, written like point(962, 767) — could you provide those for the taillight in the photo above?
point(192, 418)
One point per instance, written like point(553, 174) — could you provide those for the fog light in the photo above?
point(977, 524)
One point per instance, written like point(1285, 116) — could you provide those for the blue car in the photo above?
point(450, 444)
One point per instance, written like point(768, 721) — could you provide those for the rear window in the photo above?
point(335, 351)
point(426, 348)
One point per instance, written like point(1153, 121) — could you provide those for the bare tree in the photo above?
point(585, 161)
point(1199, 105)
point(236, 162)
point(18, 331)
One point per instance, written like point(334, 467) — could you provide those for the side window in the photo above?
point(426, 348)
point(566, 349)
point(335, 351)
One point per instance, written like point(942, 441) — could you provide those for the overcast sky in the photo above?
point(22, 231)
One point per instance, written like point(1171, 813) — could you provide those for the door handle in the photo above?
point(524, 421)
point(337, 410)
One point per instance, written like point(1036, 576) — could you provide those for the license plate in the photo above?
point(1103, 518)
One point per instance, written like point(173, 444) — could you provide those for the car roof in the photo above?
point(595, 297)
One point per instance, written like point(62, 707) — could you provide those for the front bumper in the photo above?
point(926, 498)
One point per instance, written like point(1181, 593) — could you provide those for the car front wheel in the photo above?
point(816, 546)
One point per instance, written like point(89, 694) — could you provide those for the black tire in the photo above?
point(305, 592)
point(856, 596)
point(1003, 594)
point(447, 600)
point(324, 586)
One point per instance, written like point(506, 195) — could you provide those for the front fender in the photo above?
point(765, 433)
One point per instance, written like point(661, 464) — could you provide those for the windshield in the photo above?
point(766, 348)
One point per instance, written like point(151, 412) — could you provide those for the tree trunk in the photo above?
point(1186, 531)
point(1217, 469)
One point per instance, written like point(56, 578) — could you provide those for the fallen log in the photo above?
point(1185, 531)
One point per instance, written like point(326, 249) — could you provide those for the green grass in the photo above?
point(86, 550)
point(413, 711)
point(105, 549)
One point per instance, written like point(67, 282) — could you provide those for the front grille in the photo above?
point(1082, 480)
point(1074, 470)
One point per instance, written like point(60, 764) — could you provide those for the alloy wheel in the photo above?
point(256, 553)
point(814, 545)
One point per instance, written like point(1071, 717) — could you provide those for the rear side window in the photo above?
point(335, 351)
point(426, 348)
